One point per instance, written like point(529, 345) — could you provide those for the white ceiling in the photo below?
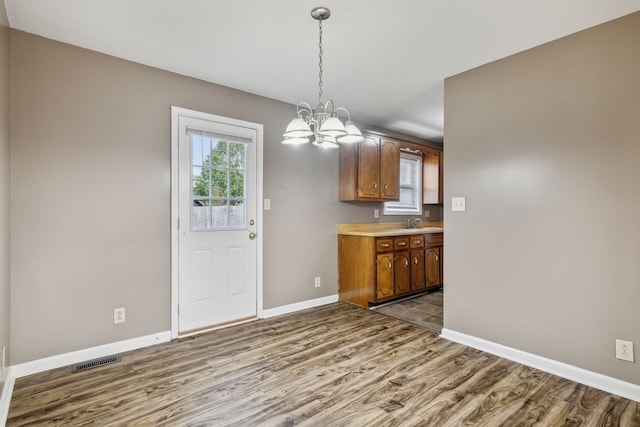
point(383, 60)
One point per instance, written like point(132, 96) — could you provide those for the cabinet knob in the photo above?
point(389, 264)
point(406, 263)
point(385, 187)
point(415, 260)
point(375, 185)
point(437, 258)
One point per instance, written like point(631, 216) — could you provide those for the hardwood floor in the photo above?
point(337, 365)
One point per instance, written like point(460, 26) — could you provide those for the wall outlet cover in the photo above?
point(119, 315)
point(624, 350)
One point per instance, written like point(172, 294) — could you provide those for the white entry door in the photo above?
point(217, 225)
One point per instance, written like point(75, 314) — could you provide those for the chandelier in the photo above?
point(322, 126)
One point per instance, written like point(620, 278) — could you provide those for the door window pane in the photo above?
point(218, 175)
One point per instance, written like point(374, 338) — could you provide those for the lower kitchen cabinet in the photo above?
point(402, 272)
point(433, 274)
point(385, 276)
point(377, 269)
point(418, 272)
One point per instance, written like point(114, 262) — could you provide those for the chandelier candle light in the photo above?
point(323, 125)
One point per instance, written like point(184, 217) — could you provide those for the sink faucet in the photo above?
point(413, 223)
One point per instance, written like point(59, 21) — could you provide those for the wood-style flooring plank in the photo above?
point(336, 365)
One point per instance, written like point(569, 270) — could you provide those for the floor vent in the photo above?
point(95, 363)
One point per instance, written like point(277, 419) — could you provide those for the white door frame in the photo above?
point(176, 112)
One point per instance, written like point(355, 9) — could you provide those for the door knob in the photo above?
point(252, 235)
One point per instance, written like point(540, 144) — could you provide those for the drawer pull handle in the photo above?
point(384, 245)
point(402, 243)
point(406, 263)
point(415, 260)
point(389, 264)
point(385, 187)
point(437, 258)
point(417, 242)
point(375, 185)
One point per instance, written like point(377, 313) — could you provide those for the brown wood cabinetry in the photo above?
point(378, 269)
point(433, 260)
point(370, 170)
point(402, 273)
point(431, 178)
point(417, 270)
point(385, 276)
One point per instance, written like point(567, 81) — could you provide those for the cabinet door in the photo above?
point(390, 169)
point(369, 168)
point(417, 269)
point(402, 275)
point(384, 283)
point(433, 267)
point(431, 194)
point(441, 182)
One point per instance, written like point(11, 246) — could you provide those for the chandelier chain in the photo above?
point(320, 63)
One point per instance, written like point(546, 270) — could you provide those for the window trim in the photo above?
point(389, 208)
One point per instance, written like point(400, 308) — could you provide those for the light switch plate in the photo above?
point(267, 204)
point(458, 204)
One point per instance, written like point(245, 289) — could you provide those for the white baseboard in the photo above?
point(592, 379)
point(290, 308)
point(58, 361)
point(5, 397)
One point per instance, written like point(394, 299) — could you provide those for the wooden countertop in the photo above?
point(386, 229)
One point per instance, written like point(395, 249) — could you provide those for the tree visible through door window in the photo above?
point(218, 177)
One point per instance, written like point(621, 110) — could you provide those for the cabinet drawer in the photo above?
point(416, 241)
point(384, 245)
point(401, 243)
point(433, 239)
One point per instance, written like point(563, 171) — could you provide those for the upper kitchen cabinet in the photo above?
point(431, 177)
point(370, 170)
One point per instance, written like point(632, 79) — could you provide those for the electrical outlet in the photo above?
point(376, 213)
point(426, 213)
point(118, 315)
point(624, 350)
point(317, 282)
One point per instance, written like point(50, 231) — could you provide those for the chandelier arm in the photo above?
point(345, 110)
point(326, 107)
point(304, 107)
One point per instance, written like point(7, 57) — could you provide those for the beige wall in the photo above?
point(91, 161)
point(4, 183)
point(545, 146)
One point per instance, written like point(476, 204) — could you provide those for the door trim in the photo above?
point(176, 112)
